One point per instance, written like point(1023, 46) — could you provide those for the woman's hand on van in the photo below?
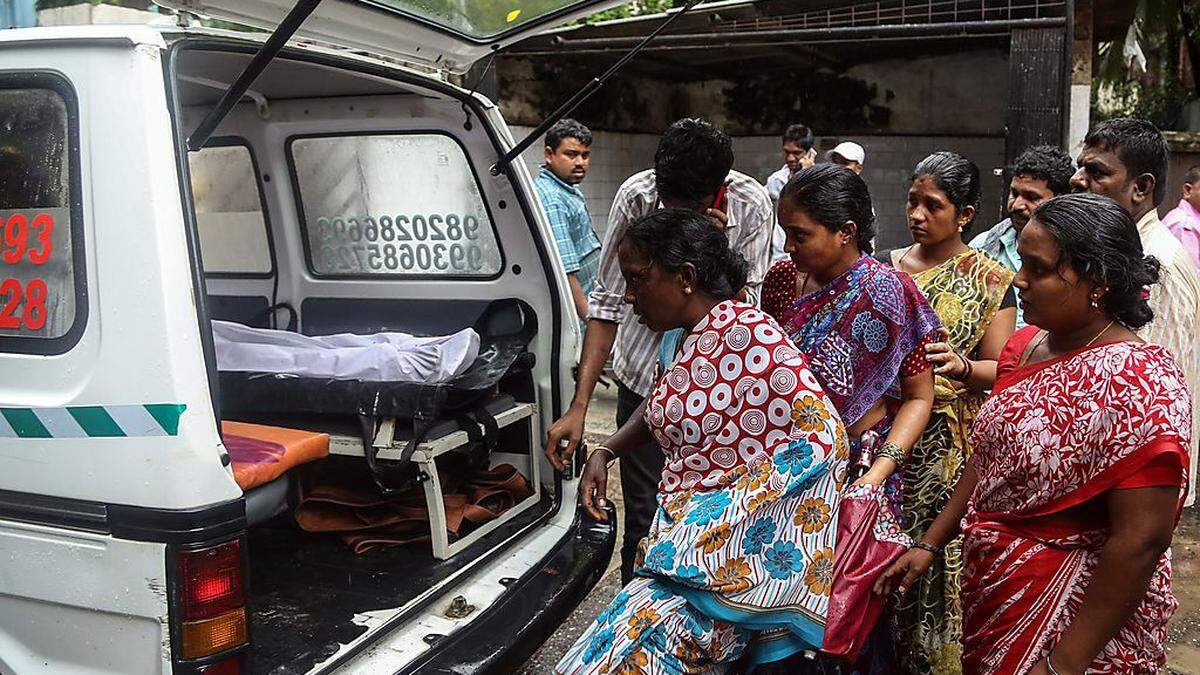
point(593, 486)
point(564, 437)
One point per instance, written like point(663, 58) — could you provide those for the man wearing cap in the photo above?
point(848, 154)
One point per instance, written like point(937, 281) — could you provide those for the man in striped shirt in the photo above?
point(693, 170)
point(1126, 159)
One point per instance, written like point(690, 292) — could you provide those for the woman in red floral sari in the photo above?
point(1080, 465)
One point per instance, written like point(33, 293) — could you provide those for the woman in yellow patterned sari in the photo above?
point(971, 293)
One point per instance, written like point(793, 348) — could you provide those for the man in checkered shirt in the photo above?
point(568, 155)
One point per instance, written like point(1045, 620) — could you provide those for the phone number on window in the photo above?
point(434, 227)
point(428, 243)
point(401, 258)
point(25, 240)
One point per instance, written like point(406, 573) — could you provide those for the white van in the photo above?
point(342, 193)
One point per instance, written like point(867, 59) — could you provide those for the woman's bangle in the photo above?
point(967, 367)
point(893, 452)
point(936, 550)
point(1050, 664)
point(611, 454)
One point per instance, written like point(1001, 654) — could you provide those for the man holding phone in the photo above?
point(692, 170)
point(798, 154)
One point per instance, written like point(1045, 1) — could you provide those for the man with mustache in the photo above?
point(1126, 160)
point(568, 155)
point(1039, 173)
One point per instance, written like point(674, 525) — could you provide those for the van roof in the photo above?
point(162, 34)
point(137, 34)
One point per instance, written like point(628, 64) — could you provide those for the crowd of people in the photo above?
point(1013, 408)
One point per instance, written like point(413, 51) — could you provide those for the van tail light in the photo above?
point(212, 600)
point(210, 636)
point(211, 580)
point(231, 666)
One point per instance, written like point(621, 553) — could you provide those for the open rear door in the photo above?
point(446, 34)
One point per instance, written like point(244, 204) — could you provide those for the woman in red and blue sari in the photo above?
point(738, 563)
point(863, 328)
point(862, 325)
point(1080, 465)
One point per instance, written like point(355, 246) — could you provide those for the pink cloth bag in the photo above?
point(868, 540)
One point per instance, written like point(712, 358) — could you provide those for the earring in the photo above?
point(687, 290)
point(1096, 301)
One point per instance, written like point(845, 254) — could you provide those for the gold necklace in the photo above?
point(1045, 334)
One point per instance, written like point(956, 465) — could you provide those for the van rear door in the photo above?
point(444, 34)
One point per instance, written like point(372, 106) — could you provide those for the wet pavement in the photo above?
point(1183, 655)
point(1183, 640)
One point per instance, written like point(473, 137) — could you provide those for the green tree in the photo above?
point(1168, 32)
point(635, 8)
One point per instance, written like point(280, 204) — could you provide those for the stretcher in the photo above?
point(400, 428)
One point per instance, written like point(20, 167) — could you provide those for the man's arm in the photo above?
point(577, 296)
point(754, 241)
point(605, 310)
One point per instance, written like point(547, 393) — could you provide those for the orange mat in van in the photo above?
point(260, 453)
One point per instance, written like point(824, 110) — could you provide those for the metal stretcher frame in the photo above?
point(435, 445)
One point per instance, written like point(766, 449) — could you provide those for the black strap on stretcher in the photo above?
point(429, 412)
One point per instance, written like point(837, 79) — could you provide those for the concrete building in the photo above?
point(986, 78)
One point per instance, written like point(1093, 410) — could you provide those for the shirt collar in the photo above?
point(1147, 222)
point(545, 171)
point(1189, 209)
point(1008, 236)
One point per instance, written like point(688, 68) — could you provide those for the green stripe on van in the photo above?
point(167, 415)
point(95, 421)
point(25, 423)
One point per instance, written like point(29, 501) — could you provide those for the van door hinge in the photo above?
point(258, 63)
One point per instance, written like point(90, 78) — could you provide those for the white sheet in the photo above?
point(383, 357)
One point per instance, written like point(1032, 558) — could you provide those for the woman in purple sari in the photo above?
point(862, 325)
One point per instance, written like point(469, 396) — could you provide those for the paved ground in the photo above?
point(1184, 639)
point(601, 423)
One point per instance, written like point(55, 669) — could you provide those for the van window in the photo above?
point(400, 204)
point(229, 212)
point(41, 282)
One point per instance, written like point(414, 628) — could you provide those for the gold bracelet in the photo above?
point(607, 449)
point(893, 452)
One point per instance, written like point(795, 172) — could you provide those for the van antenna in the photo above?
point(258, 63)
point(587, 90)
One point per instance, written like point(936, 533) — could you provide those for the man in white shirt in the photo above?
point(1126, 160)
point(692, 170)
point(798, 153)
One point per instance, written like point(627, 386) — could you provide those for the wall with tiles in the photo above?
point(890, 160)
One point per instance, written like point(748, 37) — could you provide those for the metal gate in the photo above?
point(1036, 89)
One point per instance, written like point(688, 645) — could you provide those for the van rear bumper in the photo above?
point(534, 606)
